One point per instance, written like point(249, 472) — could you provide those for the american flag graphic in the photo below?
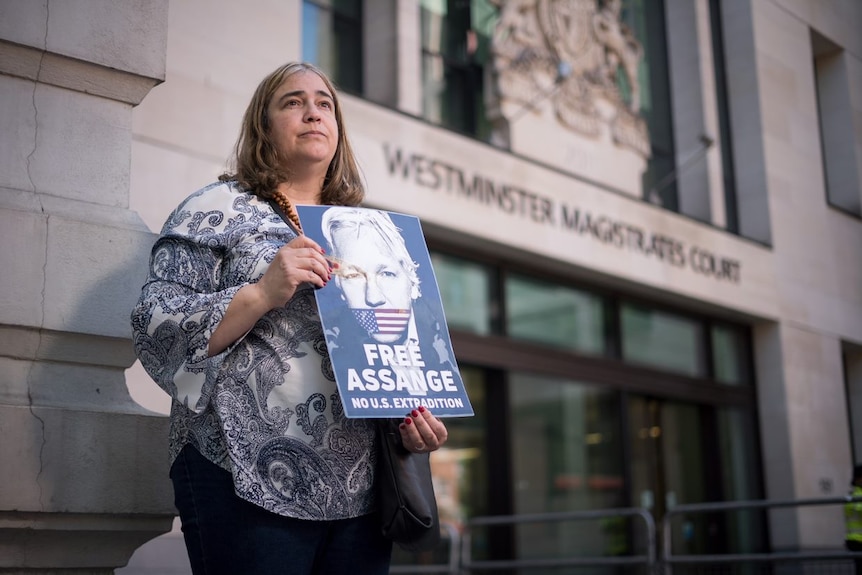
point(382, 321)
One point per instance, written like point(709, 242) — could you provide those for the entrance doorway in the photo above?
point(685, 453)
point(668, 448)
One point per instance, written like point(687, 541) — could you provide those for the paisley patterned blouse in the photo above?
point(267, 408)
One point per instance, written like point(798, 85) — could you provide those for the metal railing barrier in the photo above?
point(459, 559)
point(668, 559)
point(470, 565)
point(450, 536)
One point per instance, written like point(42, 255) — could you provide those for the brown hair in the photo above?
point(255, 163)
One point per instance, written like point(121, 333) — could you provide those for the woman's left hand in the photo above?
point(421, 432)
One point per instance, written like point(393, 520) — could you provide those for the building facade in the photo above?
point(644, 218)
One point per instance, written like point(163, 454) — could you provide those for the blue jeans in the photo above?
point(226, 535)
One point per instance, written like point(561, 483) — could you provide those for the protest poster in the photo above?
point(383, 316)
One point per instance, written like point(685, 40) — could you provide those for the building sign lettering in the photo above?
point(438, 175)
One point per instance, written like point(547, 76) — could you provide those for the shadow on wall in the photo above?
point(101, 457)
point(165, 555)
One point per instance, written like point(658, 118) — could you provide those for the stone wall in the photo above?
point(83, 480)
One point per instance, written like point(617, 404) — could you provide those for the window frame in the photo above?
point(339, 17)
point(501, 352)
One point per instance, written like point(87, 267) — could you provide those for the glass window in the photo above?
point(730, 356)
point(646, 21)
point(332, 40)
point(723, 109)
point(567, 456)
point(460, 467)
point(466, 291)
point(740, 479)
point(838, 136)
point(455, 46)
point(662, 339)
point(555, 315)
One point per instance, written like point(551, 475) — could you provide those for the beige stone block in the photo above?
point(778, 77)
point(97, 47)
point(124, 36)
point(409, 57)
point(83, 462)
point(72, 487)
point(597, 159)
point(263, 36)
point(83, 387)
point(838, 20)
point(82, 147)
point(792, 179)
point(14, 374)
point(18, 126)
point(92, 288)
point(818, 427)
point(804, 440)
point(24, 22)
point(22, 261)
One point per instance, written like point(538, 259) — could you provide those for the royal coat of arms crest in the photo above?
point(570, 54)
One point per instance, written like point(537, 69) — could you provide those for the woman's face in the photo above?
point(302, 121)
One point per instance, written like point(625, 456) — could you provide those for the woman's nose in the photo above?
point(312, 114)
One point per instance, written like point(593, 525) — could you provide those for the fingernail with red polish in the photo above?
point(407, 421)
point(414, 413)
point(422, 408)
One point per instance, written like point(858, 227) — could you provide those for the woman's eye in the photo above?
point(326, 104)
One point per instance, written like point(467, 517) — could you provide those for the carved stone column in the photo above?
point(83, 469)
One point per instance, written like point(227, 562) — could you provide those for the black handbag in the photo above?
point(405, 492)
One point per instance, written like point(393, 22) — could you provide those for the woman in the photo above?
point(269, 477)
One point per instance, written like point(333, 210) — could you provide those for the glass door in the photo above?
point(683, 453)
point(566, 456)
point(667, 446)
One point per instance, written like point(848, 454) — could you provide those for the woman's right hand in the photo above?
point(300, 261)
point(297, 262)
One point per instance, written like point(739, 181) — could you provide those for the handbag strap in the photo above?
point(390, 426)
